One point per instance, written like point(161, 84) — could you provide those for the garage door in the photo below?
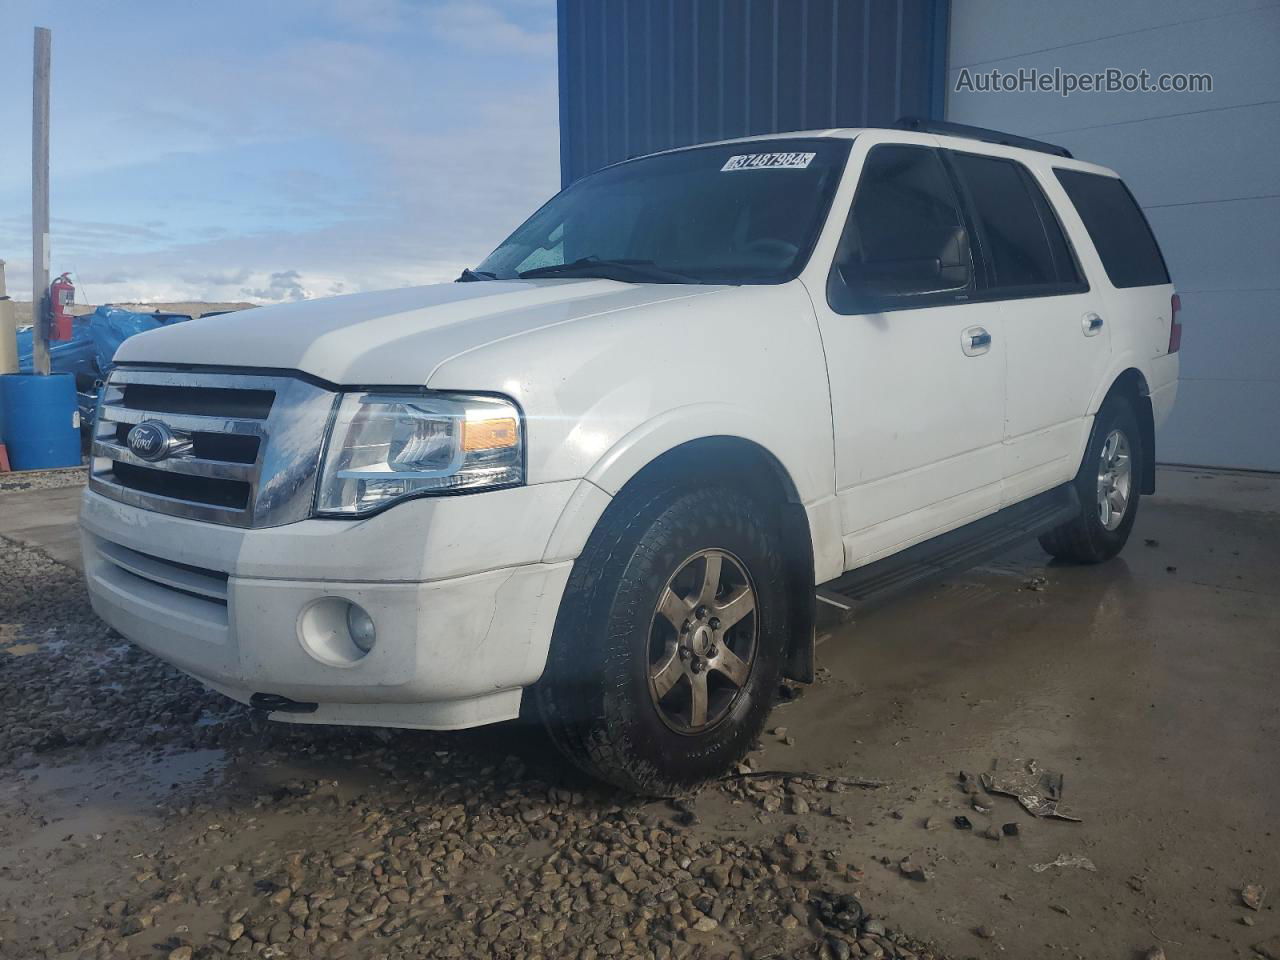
point(1203, 165)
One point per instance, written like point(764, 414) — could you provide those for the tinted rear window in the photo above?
point(1117, 227)
point(1021, 238)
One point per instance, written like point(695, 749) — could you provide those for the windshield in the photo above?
point(736, 213)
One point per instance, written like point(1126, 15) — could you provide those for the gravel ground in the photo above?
point(43, 479)
point(142, 816)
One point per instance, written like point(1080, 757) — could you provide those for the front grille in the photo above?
point(239, 449)
point(202, 401)
point(231, 494)
point(210, 446)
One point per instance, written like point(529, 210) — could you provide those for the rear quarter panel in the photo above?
point(1137, 318)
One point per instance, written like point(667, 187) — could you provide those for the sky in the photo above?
point(271, 150)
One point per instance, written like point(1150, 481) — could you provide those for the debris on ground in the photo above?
point(911, 868)
point(1151, 542)
point(1010, 829)
point(842, 912)
point(1155, 953)
point(823, 780)
point(1269, 948)
point(22, 649)
point(1252, 894)
point(1039, 791)
point(1066, 860)
point(985, 931)
point(963, 823)
point(1036, 584)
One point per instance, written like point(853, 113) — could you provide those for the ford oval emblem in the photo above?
point(150, 440)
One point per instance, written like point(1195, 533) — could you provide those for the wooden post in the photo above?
point(40, 202)
point(8, 331)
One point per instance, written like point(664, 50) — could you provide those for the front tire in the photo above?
point(668, 647)
point(1109, 487)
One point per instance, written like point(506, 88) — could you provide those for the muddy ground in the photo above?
point(141, 816)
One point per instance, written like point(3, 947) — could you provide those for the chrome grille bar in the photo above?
point(276, 487)
point(194, 466)
point(184, 422)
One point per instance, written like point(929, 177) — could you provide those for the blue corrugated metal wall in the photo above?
point(643, 75)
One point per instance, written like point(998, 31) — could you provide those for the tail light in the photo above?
point(1175, 326)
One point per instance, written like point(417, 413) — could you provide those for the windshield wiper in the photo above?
point(628, 271)
point(471, 276)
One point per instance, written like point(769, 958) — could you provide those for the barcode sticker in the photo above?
point(768, 161)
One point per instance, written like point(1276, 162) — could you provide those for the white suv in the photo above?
point(608, 468)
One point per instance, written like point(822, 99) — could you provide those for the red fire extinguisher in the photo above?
point(62, 294)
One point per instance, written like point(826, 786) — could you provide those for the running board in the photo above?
point(963, 547)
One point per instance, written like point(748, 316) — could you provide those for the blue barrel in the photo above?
point(41, 420)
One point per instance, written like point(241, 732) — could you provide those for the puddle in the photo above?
point(80, 803)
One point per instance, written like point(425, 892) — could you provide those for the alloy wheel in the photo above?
point(702, 641)
point(1115, 480)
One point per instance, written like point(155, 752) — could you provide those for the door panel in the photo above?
point(1055, 365)
point(916, 369)
point(918, 423)
point(1057, 341)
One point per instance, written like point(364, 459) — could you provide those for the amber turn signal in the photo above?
point(489, 434)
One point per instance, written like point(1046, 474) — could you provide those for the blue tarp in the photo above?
point(94, 340)
point(66, 356)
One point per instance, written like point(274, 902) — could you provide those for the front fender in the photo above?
point(654, 437)
point(650, 440)
point(632, 453)
point(605, 395)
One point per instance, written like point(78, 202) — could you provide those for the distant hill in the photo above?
point(195, 308)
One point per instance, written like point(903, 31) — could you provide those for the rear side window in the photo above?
point(1119, 231)
point(1021, 238)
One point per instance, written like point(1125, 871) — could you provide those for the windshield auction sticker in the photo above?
point(768, 161)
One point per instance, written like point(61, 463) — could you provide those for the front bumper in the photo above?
point(463, 603)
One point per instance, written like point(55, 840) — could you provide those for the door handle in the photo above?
point(975, 341)
point(1091, 323)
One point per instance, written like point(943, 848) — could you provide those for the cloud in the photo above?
point(284, 285)
point(106, 279)
point(311, 148)
point(482, 27)
point(229, 279)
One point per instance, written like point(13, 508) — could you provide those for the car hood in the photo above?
point(395, 337)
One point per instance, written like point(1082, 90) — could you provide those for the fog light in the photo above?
point(360, 625)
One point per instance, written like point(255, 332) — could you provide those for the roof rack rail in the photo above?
point(921, 125)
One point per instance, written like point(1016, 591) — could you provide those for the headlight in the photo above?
point(385, 447)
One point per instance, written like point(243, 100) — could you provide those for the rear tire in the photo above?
point(677, 590)
point(1108, 484)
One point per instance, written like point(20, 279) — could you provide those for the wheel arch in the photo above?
point(1131, 385)
point(723, 459)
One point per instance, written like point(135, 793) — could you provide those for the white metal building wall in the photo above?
point(1204, 166)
